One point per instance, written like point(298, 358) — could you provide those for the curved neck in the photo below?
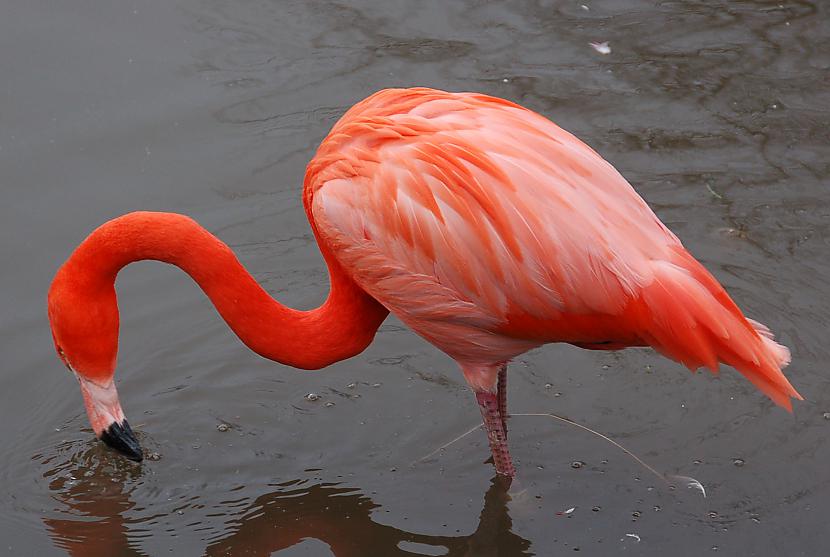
point(342, 327)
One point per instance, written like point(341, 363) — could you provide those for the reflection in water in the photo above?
point(93, 489)
point(96, 490)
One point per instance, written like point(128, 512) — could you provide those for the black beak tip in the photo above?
point(121, 438)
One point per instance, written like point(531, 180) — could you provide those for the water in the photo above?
point(717, 114)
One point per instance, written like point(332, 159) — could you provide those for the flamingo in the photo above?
point(480, 224)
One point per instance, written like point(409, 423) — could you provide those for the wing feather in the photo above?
point(496, 204)
point(489, 230)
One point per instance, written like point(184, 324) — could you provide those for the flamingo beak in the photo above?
point(107, 418)
point(121, 438)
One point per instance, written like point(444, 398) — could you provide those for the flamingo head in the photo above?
point(84, 321)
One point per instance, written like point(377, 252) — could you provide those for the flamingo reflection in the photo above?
point(99, 518)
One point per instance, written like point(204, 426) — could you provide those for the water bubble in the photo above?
point(223, 427)
point(636, 514)
point(153, 456)
point(713, 515)
point(577, 464)
point(738, 462)
point(312, 397)
point(548, 386)
point(826, 415)
point(351, 385)
point(596, 509)
point(329, 404)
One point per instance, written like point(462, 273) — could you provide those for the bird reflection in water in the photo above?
point(98, 518)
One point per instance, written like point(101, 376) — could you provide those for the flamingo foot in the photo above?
point(494, 425)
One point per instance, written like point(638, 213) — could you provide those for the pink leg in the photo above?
point(494, 425)
point(501, 392)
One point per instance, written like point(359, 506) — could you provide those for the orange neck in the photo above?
point(342, 327)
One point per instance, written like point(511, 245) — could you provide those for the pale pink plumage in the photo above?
point(490, 230)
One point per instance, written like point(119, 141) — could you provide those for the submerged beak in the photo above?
point(121, 438)
point(107, 418)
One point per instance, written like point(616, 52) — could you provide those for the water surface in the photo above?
point(716, 112)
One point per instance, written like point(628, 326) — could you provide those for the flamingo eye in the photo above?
point(62, 356)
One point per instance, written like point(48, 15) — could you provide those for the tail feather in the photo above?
point(780, 352)
point(691, 319)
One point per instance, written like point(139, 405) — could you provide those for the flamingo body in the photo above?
point(480, 224)
point(489, 230)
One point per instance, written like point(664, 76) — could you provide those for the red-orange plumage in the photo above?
point(482, 225)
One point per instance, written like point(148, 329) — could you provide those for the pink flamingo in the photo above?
point(482, 225)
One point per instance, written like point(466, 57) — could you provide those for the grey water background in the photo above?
point(717, 112)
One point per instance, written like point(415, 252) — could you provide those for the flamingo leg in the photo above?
point(494, 425)
point(501, 393)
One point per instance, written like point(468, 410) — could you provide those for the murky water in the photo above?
point(717, 113)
